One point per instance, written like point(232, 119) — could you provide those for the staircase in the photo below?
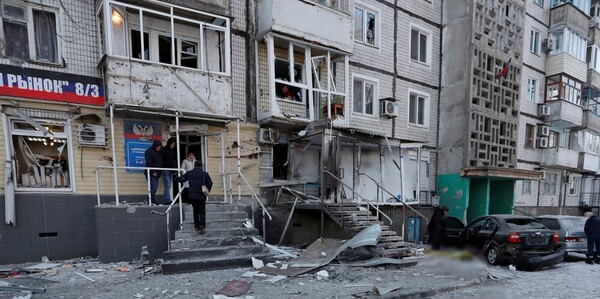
point(226, 243)
point(354, 219)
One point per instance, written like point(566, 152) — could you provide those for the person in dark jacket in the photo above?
point(153, 159)
point(198, 178)
point(592, 230)
point(169, 160)
point(437, 227)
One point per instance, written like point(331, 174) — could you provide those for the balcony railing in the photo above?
point(339, 5)
point(589, 200)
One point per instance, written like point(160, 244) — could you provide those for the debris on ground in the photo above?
point(235, 288)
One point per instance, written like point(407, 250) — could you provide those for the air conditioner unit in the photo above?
point(389, 109)
point(543, 131)
point(547, 44)
point(268, 136)
point(541, 142)
point(91, 135)
point(595, 22)
point(544, 175)
point(544, 110)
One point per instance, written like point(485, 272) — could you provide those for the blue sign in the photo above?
point(139, 136)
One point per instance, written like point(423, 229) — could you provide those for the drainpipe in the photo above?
point(395, 62)
point(114, 158)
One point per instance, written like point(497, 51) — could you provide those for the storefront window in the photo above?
point(41, 160)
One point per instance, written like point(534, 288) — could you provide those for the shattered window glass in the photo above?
point(523, 223)
point(370, 28)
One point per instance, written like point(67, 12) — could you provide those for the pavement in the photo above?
point(88, 278)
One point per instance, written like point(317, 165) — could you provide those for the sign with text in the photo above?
point(52, 86)
point(138, 138)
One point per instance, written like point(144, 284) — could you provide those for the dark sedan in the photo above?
point(519, 240)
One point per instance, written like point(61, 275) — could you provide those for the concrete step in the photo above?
point(216, 231)
point(195, 264)
point(224, 216)
point(208, 252)
point(191, 243)
point(393, 252)
point(395, 244)
point(389, 239)
point(189, 224)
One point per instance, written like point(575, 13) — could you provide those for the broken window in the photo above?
point(529, 135)
point(41, 161)
point(171, 35)
point(365, 23)
point(419, 45)
point(417, 109)
point(29, 25)
point(364, 96)
point(280, 162)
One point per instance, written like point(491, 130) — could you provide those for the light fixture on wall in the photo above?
point(116, 18)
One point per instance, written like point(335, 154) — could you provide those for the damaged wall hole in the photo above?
point(48, 235)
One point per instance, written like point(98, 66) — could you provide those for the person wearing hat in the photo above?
point(198, 179)
point(592, 230)
point(153, 160)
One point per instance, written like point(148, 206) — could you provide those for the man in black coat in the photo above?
point(153, 159)
point(198, 178)
point(592, 230)
point(169, 160)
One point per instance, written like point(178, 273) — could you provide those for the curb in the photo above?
point(407, 294)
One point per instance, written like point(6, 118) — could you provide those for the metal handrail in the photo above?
point(388, 192)
point(167, 213)
point(354, 192)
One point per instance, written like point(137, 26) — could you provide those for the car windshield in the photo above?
point(523, 223)
point(573, 224)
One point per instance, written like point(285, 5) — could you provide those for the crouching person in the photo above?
point(198, 180)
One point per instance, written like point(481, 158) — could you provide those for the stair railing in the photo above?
point(376, 207)
point(390, 193)
point(264, 209)
point(167, 213)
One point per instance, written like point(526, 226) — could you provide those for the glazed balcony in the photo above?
point(570, 16)
point(330, 22)
point(560, 158)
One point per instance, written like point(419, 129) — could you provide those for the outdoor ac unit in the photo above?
point(91, 135)
point(544, 110)
point(547, 44)
point(268, 136)
point(389, 109)
point(543, 131)
point(595, 22)
point(541, 142)
point(544, 175)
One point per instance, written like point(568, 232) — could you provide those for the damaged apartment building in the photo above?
point(341, 109)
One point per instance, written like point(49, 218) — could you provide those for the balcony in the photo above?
point(564, 114)
point(589, 162)
point(560, 158)
point(591, 120)
point(150, 85)
point(589, 200)
point(330, 24)
point(565, 63)
point(569, 16)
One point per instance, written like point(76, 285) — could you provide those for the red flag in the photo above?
point(504, 70)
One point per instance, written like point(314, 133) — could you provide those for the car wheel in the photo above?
point(492, 255)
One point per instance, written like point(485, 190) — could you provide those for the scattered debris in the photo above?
point(512, 267)
point(138, 295)
point(42, 266)
point(85, 277)
point(28, 296)
point(323, 273)
point(383, 261)
point(276, 278)
point(256, 263)
point(5, 286)
point(273, 247)
point(248, 224)
point(94, 270)
point(123, 269)
point(496, 273)
point(235, 288)
point(382, 291)
point(250, 274)
point(272, 265)
point(45, 259)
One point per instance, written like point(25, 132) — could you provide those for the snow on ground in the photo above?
point(571, 279)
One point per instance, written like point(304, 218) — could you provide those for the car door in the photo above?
point(472, 231)
point(487, 232)
point(454, 228)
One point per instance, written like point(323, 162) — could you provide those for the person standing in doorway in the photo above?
point(437, 227)
point(186, 165)
point(169, 159)
point(592, 230)
point(197, 179)
point(153, 160)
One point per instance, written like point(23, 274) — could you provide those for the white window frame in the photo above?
point(10, 131)
point(526, 187)
point(171, 32)
point(375, 83)
point(550, 183)
point(595, 58)
point(573, 189)
point(568, 41)
point(429, 34)
point(29, 8)
point(427, 99)
point(367, 9)
point(532, 89)
point(539, 2)
point(534, 41)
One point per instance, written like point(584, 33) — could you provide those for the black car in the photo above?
point(519, 240)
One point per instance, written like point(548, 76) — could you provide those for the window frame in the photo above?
point(573, 189)
point(428, 54)
point(11, 131)
point(533, 89)
point(526, 187)
point(529, 136)
point(426, 106)
point(29, 23)
point(539, 2)
point(375, 83)
point(550, 184)
point(367, 9)
point(534, 41)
